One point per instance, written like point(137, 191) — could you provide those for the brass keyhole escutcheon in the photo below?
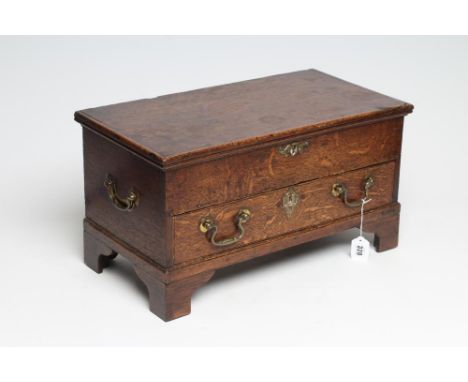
point(290, 201)
point(292, 149)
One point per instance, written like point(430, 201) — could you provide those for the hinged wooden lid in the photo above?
point(180, 127)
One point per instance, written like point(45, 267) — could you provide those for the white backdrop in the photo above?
point(416, 294)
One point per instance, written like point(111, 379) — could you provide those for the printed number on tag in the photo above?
point(360, 248)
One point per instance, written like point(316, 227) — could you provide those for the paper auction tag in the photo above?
point(360, 247)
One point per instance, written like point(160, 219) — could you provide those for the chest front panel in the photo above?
point(282, 211)
point(286, 163)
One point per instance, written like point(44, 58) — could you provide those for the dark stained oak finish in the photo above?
point(375, 221)
point(264, 169)
point(184, 126)
point(211, 152)
point(173, 300)
point(144, 228)
point(97, 255)
point(386, 233)
point(168, 301)
point(316, 206)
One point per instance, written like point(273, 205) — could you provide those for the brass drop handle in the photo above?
point(339, 190)
point(124, 204)
point(292, 149)
point(208, 226)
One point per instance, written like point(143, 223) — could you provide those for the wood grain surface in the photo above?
point(146, 227)
point(380, 220)
point(214, 151)
point(182, 126)
point(316, 206)
point(242, 175)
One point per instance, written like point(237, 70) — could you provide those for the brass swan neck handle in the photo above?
point(129, 203)
point(208, 225)
point(339, 190)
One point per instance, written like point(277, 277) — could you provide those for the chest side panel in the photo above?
point(263, 169)
point(313, 205)
point(143, 228)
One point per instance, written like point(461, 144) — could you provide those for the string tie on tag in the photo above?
point(363, 202)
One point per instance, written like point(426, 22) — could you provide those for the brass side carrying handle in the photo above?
point(292, 149)
point(208, 226)
point(339, 190)
point(128, 203)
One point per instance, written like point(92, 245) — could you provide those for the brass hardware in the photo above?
point(208, 225)
point(292, 149)
point(339, 190)
point(290, 201)
point(127, 204)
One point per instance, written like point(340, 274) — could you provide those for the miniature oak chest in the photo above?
point(188, 183)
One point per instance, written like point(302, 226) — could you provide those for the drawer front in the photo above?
point(278, 212)
point(234, 177)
